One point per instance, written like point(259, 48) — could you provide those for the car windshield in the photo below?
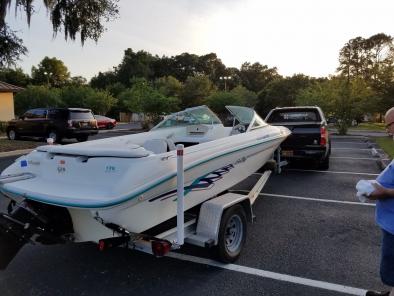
point(81, 114)
point(191, 116)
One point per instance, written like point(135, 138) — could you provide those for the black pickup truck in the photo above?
point(309, 137)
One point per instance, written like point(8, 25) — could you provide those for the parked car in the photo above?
point(105, 122)
point(55, 123)
point(309, 137)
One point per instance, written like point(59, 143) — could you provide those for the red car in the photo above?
point(105, 122)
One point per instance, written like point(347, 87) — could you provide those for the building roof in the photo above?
point(6, 87)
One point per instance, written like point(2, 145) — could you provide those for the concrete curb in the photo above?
point(15, 152)
point(382, 159)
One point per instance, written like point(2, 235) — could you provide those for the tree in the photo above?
point(67, 16)
point(77, 81)
point(337, 97)
point(141, 97)
point(51, 72)
point(372, 60)
point(244, 96)
point(281, 92)
point(103, 79)
point(256, 76)
point(219, 100)
point(86, 97)
point(36, 97)
point(134, 65)
point(169, 86)
point(14, 76)
point(11, 47)
point(185, 66)
point(100, 102)
point(196, 89)
point(211, 66)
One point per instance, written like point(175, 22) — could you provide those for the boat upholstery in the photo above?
point(159, 146)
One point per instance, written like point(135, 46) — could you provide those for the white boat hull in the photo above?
point(116, 181)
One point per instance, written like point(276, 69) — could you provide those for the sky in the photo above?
point(303, 36)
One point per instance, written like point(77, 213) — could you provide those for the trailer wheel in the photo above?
point(232, 234)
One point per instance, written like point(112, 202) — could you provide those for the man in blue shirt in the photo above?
point(384, 196)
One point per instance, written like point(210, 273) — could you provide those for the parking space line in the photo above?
point(357, 158)
point(271, 275)
point(329, 172)
point(357, 143)
point(350, 148)
point(313, 199)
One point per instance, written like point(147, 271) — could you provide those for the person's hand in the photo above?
point(379, 192)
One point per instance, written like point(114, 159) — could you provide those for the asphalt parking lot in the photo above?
point(311, 237)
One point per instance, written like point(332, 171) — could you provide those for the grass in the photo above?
point(7, 145)
point(371, 126)
point(387, 144)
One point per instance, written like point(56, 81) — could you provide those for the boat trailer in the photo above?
point(221, 223)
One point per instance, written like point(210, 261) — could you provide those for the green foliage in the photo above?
point(371, 59)
point(3, 127)
point(67, 16)
point(256, 77)
point(246, 97)
point(168, 86)
point(36, 97)
point(11, 46)
point(141, 97)
point(71, 96)
point(281, 92)
point(346, 101)
point(387, 144)
point(211, 66)
point(196, 89)
point(51, 72)
point(134, 65)
point(103, 80)
point(218, 100)
point(77, 81)
point(14, 76)
point(116, 88)
point(86, 97)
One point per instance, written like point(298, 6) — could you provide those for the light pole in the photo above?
point(225, 78)
point(47, 75)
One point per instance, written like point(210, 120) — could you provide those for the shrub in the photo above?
point(3, 126)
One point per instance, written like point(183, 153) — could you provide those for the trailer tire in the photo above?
point(232, 234)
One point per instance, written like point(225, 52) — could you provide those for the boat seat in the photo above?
point(159, 146)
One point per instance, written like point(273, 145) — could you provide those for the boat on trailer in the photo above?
point(121, 190)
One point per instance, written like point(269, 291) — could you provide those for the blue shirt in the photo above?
point(385, 207)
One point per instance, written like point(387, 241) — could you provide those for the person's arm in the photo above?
point(381, 192)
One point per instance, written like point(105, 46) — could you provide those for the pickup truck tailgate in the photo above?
point(302, 136)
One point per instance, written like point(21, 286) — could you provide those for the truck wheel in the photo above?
point(232, 234)
point(55, 136)
point(12, 134)
point(325, 163)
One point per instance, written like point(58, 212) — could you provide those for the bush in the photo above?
point(3, 126)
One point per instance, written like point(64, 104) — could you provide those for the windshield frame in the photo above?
point(238, 112)
point(191, 116)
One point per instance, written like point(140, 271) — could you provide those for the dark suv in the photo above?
point(55, 123)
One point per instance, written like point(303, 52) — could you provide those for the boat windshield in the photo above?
point(190, 116)
point(246, 116)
